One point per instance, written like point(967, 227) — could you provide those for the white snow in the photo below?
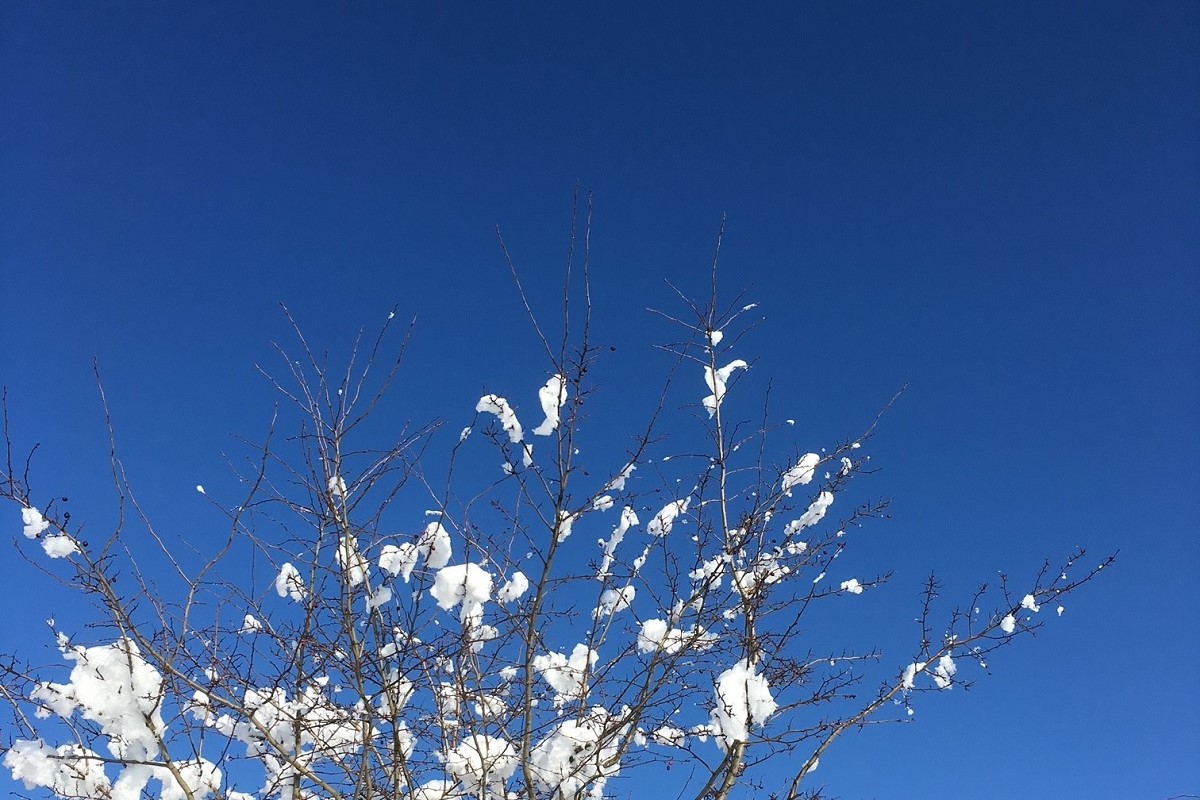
point(514, 588)
point(113, 686)
point(251, 624)
point(717, 380)
point(581, 752)
point(658, 634)
point(68, 770)
point(482, 764)
point(617, 484)
point(289, 583)
point(664, 520)
point(354, 566)
point(337, 486)
point(399, 559)
point(34, 522)
point(614, 600)
point(628, 518)
point(468, 584)
point(801, 473)
point(565, 521)
point(498, 406)
point(381, 596)
point(704, 573)
point(1008, 624)
point(943, 673)
point(910, 674)
point(670, 736)
point(1030, 603)
point(59, 545)
point(764, 571)
point(814, 514)
point(852, 586)
point(552, 396)
point(434, 546)
point(743, 700)
point(566, 676)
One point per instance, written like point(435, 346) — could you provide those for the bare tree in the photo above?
point(545, 627)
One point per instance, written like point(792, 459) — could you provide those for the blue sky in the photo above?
point(995, 204)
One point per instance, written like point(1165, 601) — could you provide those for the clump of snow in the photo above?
point(910, 674)
point(398, 559)
point(289, 583)
point(436, 789)
point(617, 484)
point(1008, 624)
point(943, 673)
point(433, 545)
point(381, 596)
point(796, 548)
point(251, 624)
point(482, 764)
point(1030, 603)
point(309, 721)
point(68, 770)
point(199, 778)
point(715, 337)
point(800, 474)
point(337, 486)
point(200, 489)
point(468, 584)
point(354, 566)
point(814, 514)
point(567, 676)
point(717, 380)
point(113, 686)
point(59, 545)
point(34, 522)
point(552, 396)
point(628, 519)
point(852, 586)
point(499, 407)
point(565, 521)
point(764, 571)
point(709, 573)
point(579, 754)
point(743, 700)
point(670, 736)
point(658, 634)
point(664, 520)
point(1061, 610)
point(614, 600)
point(514, 588)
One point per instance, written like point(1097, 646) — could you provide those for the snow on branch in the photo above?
point(524, 643)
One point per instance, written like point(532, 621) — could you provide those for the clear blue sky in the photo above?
point(995, 203)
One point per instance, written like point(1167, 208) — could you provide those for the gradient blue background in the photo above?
point(995, 203)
